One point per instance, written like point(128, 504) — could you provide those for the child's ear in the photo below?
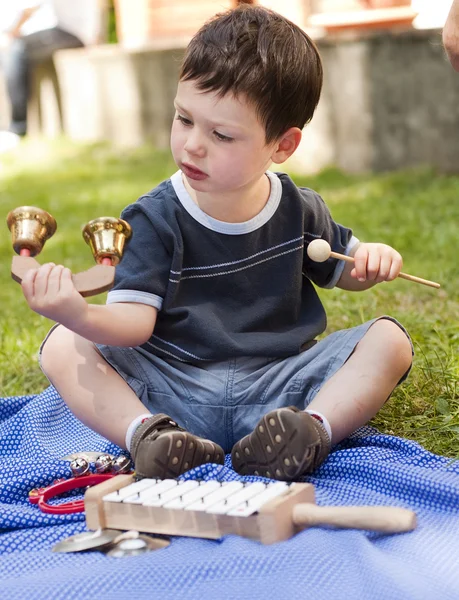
point(286, 145)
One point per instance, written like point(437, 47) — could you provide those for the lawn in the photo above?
point(415, 211)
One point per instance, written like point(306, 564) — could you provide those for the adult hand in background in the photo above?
point(451, 35)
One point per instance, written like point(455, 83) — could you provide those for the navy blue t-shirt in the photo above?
point(229, 289)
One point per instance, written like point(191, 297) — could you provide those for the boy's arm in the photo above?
point(374, 263)
point(50, 292)
point(121, 324)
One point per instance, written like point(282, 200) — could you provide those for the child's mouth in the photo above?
point(193, 173)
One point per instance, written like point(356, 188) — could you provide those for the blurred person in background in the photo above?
point(33, 30)
point(451, 35)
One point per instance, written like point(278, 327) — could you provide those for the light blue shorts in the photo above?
point(223, 401)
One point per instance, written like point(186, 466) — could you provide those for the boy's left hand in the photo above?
point(376, 263)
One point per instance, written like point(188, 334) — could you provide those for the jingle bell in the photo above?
point(106, 237)
point(121, 464)
point(30, 228)
point(103, 463)
point(79, 467)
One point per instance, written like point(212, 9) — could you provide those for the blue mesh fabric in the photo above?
point(36, 432)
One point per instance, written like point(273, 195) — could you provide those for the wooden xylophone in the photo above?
point(268, 512)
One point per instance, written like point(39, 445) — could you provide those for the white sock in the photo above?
point(133, 426)
point(320, 417)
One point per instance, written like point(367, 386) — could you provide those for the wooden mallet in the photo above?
point(320, 251)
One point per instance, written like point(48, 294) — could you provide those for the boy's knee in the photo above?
point(397, 342)
point(57, 350)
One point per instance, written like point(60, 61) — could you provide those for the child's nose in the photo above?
point(195, 144)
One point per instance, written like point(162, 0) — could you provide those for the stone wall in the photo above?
point(118, 94)
point(390, 100)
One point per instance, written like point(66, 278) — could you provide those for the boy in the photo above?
point(212, 320)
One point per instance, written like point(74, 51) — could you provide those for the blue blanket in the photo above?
point(36, 432)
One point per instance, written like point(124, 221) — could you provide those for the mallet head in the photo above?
point(319, 250)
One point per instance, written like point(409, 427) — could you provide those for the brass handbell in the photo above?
point(30, 228)
point(106, 237)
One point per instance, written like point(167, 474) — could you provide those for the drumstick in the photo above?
point(320, 251)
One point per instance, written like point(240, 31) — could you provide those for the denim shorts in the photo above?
point(223, 401)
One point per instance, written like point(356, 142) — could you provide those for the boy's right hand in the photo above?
point(50, 292)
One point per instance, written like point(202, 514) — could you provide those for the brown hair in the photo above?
point(256, 52)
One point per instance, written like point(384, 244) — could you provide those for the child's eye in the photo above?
point(223, 138)
point(184, 120)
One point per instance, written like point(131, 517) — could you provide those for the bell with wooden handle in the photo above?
point(106, 237)
point(30, 228)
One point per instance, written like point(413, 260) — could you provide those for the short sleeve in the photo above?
point(320, 225)
point(142, 275)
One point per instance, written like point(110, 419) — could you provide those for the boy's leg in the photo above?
point(355, 393)
point(99, 397)
point(90, 387)
point(348, 400)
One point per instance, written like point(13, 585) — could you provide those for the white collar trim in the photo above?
point(222, 226)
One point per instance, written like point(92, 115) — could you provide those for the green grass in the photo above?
point(416, 211)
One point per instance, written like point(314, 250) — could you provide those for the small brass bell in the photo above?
point(30, 228)
point(106, 237)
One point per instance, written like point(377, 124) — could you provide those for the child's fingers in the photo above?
point(67, 285)
point(396, 266)
point(54, 281)
point(374, 264)
point(360, 264)
point(28, 283)
point(40, 280)
point(385, 264)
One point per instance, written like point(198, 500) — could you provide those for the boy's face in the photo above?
point(218, 143)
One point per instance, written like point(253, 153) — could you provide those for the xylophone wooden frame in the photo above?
point(273, 522)
point(278, 519)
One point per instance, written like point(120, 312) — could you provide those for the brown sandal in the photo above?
point(162, 449)
point(286, 444)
